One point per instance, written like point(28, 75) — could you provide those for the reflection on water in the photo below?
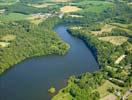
point(31, 79)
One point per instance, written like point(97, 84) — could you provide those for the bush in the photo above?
point(52, 90)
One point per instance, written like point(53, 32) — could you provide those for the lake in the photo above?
point(31, 79)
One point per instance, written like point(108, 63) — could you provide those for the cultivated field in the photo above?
point(67, 9)
point(105, 29)
point(43, 5)
point(115, 40)
point(38, 18)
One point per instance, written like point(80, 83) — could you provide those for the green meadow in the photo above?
point(93, 6)
point(13, 17)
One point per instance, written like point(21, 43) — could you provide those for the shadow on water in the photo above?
point(31, 79)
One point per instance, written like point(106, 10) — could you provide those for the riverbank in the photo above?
point(31, 41)
point(39, 74)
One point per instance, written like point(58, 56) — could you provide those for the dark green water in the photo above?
point(31, 79)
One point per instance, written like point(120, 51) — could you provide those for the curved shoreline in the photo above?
point(40, 73)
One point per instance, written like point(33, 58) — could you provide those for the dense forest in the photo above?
point(34, 41)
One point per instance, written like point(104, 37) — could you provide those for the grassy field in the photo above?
point(8, 37)
point(67, 9)
point(13, 17)
point(115, 40)
point(130, 97)
point(5, 40)
point(94, 6)
point(120, 59)
point(42, 5)
point(4, 44)
point(130, 4)
point(109, 97)
point(121, 25)
point(8, 2)
point(61, 0)
point(106, 28)
point(63, 96)
point(33, 18)
point(103, 89)
point(36, 21)
point(38, 18)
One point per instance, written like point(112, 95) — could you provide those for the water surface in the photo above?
point(31, 79)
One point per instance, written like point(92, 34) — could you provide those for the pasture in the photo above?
point(62, 1)
point(38, 18)
point(68, 9)
point(93, 6)
point(8, 2)
point(42, 5)
point(130, 97)
point(105, 29)
point(13, 17)
point(103, 89)
point(109, 97)
point(115, 40)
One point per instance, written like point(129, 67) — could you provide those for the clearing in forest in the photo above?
point(4, 44)
point(67, 9)
point(8, 2)
point(43, 5)
point(103, 89)
point(130, 97)
point(63, 96)
point(105, 29)
point(38, 18)
point(93, 6)
point(75, 16)
point(120, 59)
point(75, 27)
point(8, 37)
point(130, 3)
point(119, 25)
point(13, 17)
point(115, 40)
point(61, 0)
point(109, 97)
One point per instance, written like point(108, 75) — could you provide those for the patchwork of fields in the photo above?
point(105, 24)
point(8, 2)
